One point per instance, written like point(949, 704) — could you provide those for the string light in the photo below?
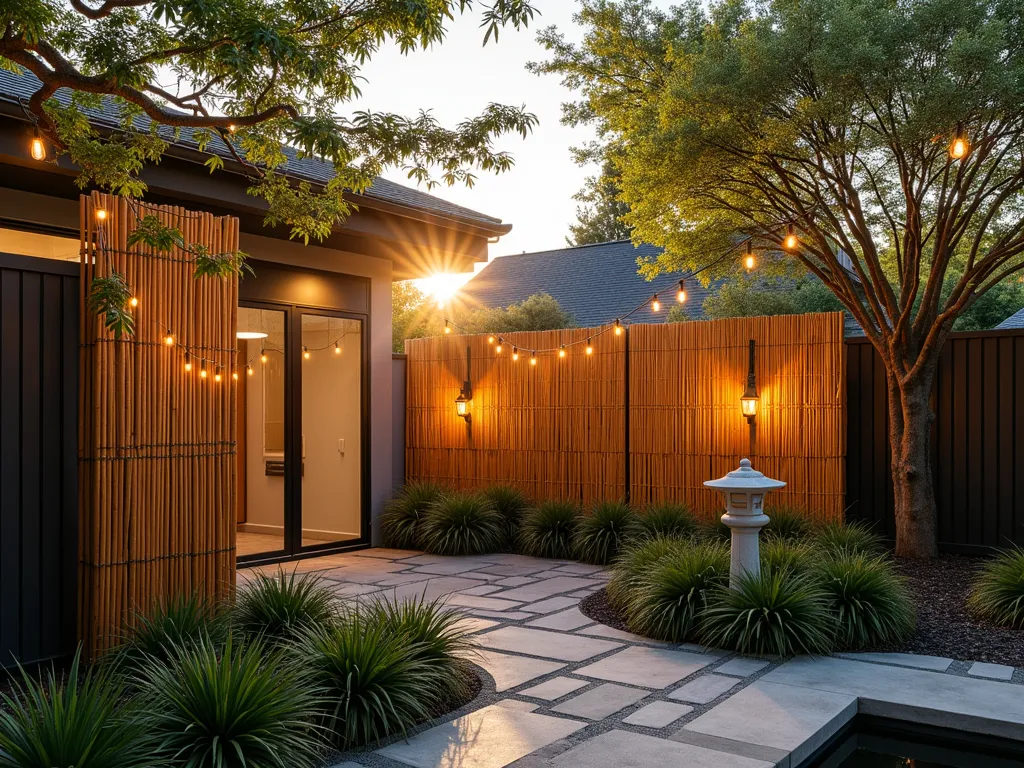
point(133, 301)
point(248, 370)
point(748, 259)
point(655, 304)
point(791, 241)
point(561, 351)
point(216, 377)
point(305, 352)
point(533, 358)
point(515, 354)
point(202, 369)
point(337, 348)
point(447, 328)
point(234, 375)
point(38, 148)
point(188, 362)
point(101, 214)
point(169, 340)
point(590, 348)
point(497, 349)
point(960, 146)
point(618, 327)
point(681, 294)
point(263, 355)
point(490, 339)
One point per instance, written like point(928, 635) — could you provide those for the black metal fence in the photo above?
point(38, 458)
point(977, 441)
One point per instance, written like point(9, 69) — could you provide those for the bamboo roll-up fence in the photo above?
point(558, 429)
point(156, 443)
point(555, 429)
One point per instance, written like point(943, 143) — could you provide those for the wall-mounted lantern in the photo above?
point(466, 393)
point(750, 399)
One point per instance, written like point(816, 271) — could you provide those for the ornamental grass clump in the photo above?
point(635, 561)
point(234, 706)
point(854, 538)
point(775, 614)
point(400, 521)
point(603, 533)
point(461, 524)
point(668, 518)
point(281, 607)
point(789, 556)
point(998, 591)
point(868, 599)
point(787, 521)
point(374, 681)
point(549, 529)
point(670, 595)
point(511, 503)
point(81, 721)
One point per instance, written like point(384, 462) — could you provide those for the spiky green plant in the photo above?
point(602, 533)
point(714, 529)
point(461, 524)
point(869, 600)
point(435, 633)
point(549, 529)
point(235, 706)
point(788, 521)
point(670, 595)
point(400, 521)
point(81, 721)
point(998, 591)
point(853, 537)
point(177, 621)
point(668, 518)
point(792, 556)
point(635, 561)
point(376, 682)
point(280, 607)
point(510, 503)
point(769, 614)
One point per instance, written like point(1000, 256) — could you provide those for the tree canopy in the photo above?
point(600, 218)
point(254, 74)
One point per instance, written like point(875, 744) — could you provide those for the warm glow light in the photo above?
point(681, 294)
point(188, 365)
point(497, 349)
point(202, 373)
point(748, 261)
point(958, 149)
point(490, 339)
point(101, 214)
point(216, 377)
point(250, 335)
point(515, 354)
point(791, 241)
point(232, 128)
point(263, 356)
point(618, 327)
point(590, 349)
point(442, 286)
point(655, 304)
point(447, 328)
point(460, 406)
point(749, 405)
point(133, 301)
point(234, 375)
point(169, 340)
point(533, 358)
point(305, 352)
point(337, 349)
point(38, 149)
point(248, 370)
point(561, 351)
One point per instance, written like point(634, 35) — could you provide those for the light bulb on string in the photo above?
point(248, 370)
point(234, 375)
point(263, 355)
point(497, 349)
point(169, 340)
point(133, 301)
point(681, 293)
point(590, 349)
point(202, 369)
point(101, 214)
point(533, 358)
point(655, 304)
point(447, 328)
point(188, 362)
point(490, 339)
point(38, 148)
point(561, 351)
point(748, 259)
point(959, 147)
point(791, 241)
point(337, 348)
point(618, 327)
point(305, 352)
point(217, 377)
point(515, 354)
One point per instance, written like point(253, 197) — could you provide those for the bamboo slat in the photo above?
point(156, 444)
point(557, 429)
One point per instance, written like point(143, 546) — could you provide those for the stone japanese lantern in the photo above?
point(744, 490)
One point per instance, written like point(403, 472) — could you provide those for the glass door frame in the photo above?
point(293, 549)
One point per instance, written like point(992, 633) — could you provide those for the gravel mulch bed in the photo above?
point(944, 626)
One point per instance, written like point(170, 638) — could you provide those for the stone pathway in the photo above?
point(565, 692)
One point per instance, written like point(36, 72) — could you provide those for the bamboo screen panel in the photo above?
point(686, 425)
point(555, 429)
point(156, 444)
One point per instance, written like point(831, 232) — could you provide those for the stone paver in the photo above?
point(472, 624)
point(491, 737)
point(548, 587)
point(488, 603)
point(483, 589)
point(506, 615)
point(555, 688)
point(598, 703)
point(704, 689)
point(551, 604)
point(622, 749)
point(742, 667)
point(549, 645)
point(933, 663)
point(511, 671)
point(991, 671)
point(658, 714)
point(795, 720)
point(603, 630)
point(565, 621)
point(515, 581)
point(646, 667)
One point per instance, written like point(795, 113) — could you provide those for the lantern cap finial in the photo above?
point(744, 478)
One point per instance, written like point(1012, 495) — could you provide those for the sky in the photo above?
point(457, 80)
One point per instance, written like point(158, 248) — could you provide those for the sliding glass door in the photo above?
point(301, 431)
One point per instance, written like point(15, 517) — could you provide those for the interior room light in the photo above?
point(250, 335)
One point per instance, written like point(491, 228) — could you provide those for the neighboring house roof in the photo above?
point(595, 283)
point(14, 87)
point(1016, 320)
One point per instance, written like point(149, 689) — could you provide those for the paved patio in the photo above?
point(566, 692)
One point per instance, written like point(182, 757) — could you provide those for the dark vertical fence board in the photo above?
point(38, 453)
point(977, 450)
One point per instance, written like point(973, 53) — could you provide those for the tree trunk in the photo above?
point(910, 421)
